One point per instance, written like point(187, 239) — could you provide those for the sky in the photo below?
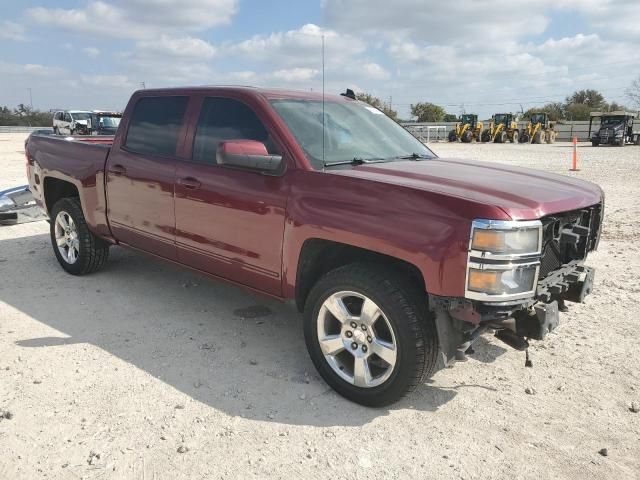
point(476, 56)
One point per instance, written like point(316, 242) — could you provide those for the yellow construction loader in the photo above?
point(467, 129)
point(501, 128)
point(539, 130)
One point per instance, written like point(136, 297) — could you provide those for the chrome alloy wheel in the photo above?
point(357, 339)
point(67, 240)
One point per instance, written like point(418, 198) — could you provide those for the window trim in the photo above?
point(191, 135)
point(181, 130)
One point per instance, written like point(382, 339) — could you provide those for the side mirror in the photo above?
point(248, 154)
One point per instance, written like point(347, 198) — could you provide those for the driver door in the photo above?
point(230, 221)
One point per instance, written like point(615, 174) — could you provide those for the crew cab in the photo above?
point(395, 257)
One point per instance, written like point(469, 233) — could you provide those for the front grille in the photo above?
point(568, 237)
point(550, 259)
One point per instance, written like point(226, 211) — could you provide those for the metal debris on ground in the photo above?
point(18, 206)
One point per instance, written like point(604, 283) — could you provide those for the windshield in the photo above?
point(500, 118)
point(101, 121)
point(353, 130)
point(537, 118)
point(81, 116)
point(466, 119)
point(612, 120)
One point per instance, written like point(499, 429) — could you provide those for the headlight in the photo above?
point(512, 281)
point(504, 259)
point(519, 241)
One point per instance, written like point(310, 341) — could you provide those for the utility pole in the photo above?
point(143, 85)
point(30, 98)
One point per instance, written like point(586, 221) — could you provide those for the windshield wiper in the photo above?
point(355, 161)
point(413, 156)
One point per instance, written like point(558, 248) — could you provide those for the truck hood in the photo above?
point(522, 193)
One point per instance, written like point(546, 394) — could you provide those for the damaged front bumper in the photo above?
point(461, 321)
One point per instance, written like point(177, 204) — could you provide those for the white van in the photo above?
point(70, 122)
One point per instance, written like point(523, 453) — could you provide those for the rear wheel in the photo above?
point(485, 136)
point(551, 136)
point(501, 137)
point(467, 136)
point(514, 137)
point(369, 334)
point(538, 137)
point(77, 249)
point(452, 136)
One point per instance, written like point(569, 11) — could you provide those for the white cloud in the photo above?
point(137, 19)
point(91, 51)
point(29, 70)
point(107, 81)
point(295, 74)
point(443, 22)
point(169, 47)
point(301, 47)
point(12, 31)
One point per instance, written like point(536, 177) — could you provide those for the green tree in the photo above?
point(578, 111)
point(428, 112)
point(592, 98)
point(613, 106)
point(555, 110)
point(450, 117)
point(377, 103)
point(633, 92)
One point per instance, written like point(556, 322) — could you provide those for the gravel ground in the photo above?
point(144, 370)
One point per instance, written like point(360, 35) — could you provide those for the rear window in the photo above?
point(155, 125)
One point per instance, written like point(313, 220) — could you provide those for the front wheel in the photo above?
point(514, 137)
point(77, 249)
point(369, 334)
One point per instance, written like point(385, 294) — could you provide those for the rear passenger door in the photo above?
point(141, 172)
point(229, 221)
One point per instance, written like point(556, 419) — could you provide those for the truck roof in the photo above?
point(613, 114)
point(268, 93)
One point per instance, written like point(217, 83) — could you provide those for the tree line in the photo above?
point(576, 106)
point(24, 116)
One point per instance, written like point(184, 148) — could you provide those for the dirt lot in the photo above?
point(144, 370)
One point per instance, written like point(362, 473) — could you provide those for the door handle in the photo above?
point(189, 182)
point(117, 170)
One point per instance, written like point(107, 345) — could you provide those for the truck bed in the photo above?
point(78, 160)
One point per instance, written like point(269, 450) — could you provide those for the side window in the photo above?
point(227, 119)
point(155, 125)
point(67, 117)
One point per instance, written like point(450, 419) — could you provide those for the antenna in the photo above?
point(323, 118)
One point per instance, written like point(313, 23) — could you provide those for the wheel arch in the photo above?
point(319, 256)
point(55, 189)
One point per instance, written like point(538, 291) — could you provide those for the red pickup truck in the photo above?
point(395, 257)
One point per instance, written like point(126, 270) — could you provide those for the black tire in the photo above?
point(452, 136)
point(525, 138)
point(406, 309)
point(514, 137)
point(595, 143)
point(485, 136)
point(92, 252)
point(501, 137)
point(538, 137)
point(55, 131)
point(467, 137)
